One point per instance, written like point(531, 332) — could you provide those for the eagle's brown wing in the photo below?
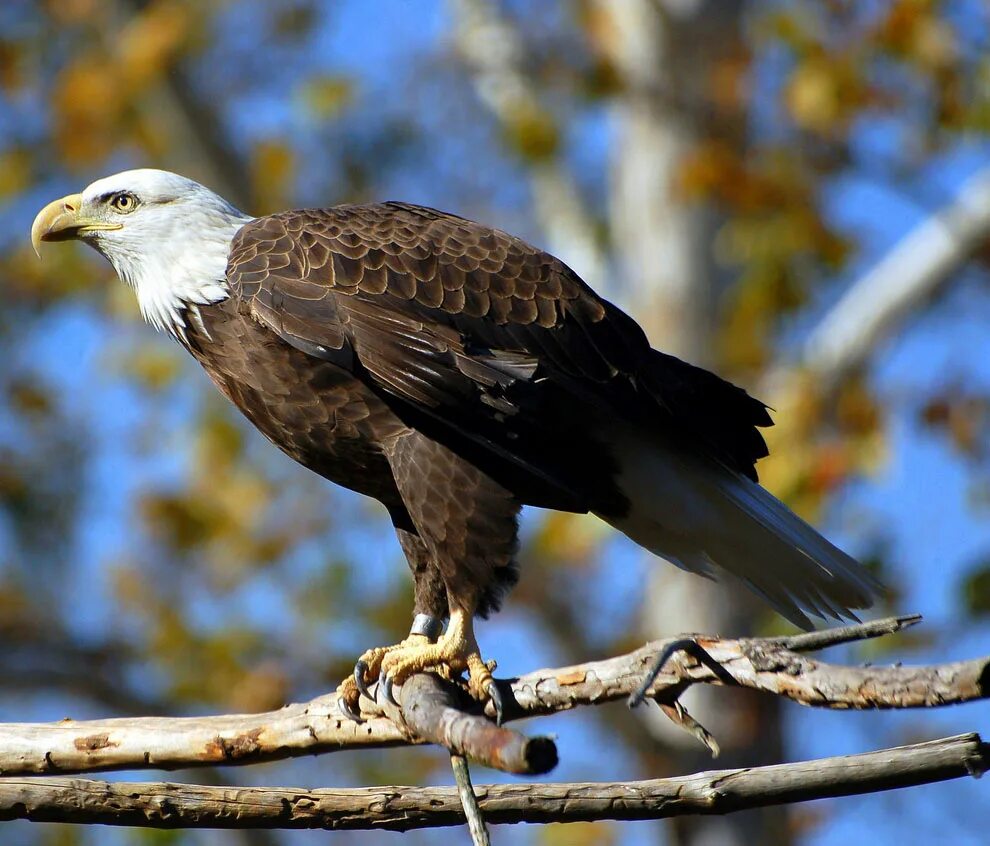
point(485, 343)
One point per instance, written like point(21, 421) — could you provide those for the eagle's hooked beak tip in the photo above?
point(57, 221)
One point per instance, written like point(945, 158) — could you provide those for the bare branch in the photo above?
point(761, 664)
point(164, 805)
point(767, 664)
point(433, 712)
point(812, 641)
point(912, 271)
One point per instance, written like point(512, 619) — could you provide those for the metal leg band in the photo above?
point(428, 626)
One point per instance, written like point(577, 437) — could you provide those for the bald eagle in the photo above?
point(455, 373)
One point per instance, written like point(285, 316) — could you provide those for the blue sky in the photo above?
point(919, 498)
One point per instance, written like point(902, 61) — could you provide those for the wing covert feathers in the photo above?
point(434, 307)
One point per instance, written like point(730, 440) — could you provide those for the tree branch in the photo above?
point(774, 665)
point(430, 711)
point(917, 266)
point(165, 805)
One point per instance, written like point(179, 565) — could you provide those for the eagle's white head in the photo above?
point(166, 236)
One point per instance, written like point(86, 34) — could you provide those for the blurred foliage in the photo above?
point(976, 590)
point(964, 417)
point(157, 555)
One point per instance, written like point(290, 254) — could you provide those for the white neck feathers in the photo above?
point(176, 273)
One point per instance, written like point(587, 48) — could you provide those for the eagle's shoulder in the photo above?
point(421, 258)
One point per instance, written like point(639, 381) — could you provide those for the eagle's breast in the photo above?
point(314, 411)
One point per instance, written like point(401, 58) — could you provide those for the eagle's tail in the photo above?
point(705, 518)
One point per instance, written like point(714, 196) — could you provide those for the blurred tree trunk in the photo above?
point(665, 56)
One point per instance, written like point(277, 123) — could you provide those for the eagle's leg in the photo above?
point(468, 524)
point(430, 605)
point(430, 610)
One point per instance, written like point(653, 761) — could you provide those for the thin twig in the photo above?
point(469, 802)
point(57, 799)
point(692, 649)
point(813, 641)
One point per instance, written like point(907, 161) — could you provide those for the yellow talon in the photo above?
point(455, 652)
point(368, 667)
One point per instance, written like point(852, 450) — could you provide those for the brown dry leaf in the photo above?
point(219, 442)
point(16, 171)
point(273, 164)
point(262, 688)
point(533, 134)
point(88, 109)
point(13, 74)
point(578, 834)
point(913, 31)
point(813, 96)
point(729, 84)
point(856, 409)
point(151, 41)
point(69, 12)
point(29, 397)
point(572, 538)
point(706, 169)
point(155, 367)
point(324, 97)
point(824, 93)
point(130, 587)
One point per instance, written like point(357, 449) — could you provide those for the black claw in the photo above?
point(690, 647)
point(684, 645)
point(360, 668)
point(387, 691)
point(347, 711)
point(499, 704)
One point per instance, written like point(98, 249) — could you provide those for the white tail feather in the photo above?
point(703, 517)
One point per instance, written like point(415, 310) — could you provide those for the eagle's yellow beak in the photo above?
point(61, 220)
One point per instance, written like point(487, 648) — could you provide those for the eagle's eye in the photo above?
point(124, 202)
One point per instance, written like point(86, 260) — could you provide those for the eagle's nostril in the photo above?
point(69, 207)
